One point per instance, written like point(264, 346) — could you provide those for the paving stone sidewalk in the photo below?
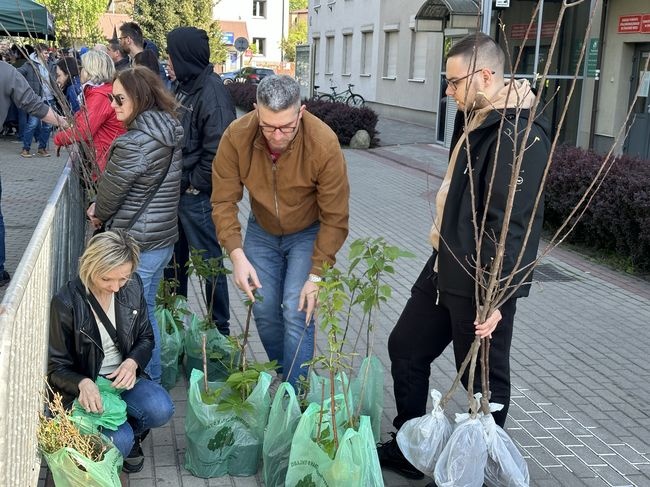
point(579, 354)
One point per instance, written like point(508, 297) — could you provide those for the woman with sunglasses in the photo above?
point(95, 125)
point(140, 188)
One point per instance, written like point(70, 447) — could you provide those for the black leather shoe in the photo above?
point(4, 278)
point(135, 461)
point(392, 458)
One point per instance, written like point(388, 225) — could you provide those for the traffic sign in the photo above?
point(241, 44)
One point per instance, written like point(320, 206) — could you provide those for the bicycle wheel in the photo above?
point(355, 101)
point(326, 97)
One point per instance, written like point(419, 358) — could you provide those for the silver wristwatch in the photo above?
point(314, 278)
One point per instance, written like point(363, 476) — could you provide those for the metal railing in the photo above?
point(48, 262)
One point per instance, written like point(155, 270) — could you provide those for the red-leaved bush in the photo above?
point(344, 120)
point(618, 218)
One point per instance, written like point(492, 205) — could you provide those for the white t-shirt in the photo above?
point(112, 355)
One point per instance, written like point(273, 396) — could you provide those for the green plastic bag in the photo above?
point(64, 465)
point(283, 421)
point(220, 351)
point(367, 389)
point(170, 347)
point(222, 442)
point(355, 462)
point(114, 414)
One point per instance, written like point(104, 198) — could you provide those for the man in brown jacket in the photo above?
point(294, 170)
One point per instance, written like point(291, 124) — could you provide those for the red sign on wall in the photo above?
point(634, 24)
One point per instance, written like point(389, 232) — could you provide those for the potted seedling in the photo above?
point(226, 419)
point(221, 354)
point(171, 311)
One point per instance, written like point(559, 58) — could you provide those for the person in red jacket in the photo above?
point(95, 124)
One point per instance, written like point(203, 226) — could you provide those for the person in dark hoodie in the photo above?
point(442, 307)
point(207, 110)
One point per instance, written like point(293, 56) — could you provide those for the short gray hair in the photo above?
point(278, 92)
point(99, 66)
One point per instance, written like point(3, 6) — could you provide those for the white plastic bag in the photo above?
point(422, 439)
point(505, 466)
point(462, 462)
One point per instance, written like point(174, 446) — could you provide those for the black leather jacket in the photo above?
point(75, 350)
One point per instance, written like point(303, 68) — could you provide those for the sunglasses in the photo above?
point(118, 99)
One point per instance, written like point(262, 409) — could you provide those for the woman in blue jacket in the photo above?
point(67, 77)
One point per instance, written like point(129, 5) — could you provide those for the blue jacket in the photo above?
point(72, 94)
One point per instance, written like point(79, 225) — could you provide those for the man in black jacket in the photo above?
point(442, 309)
point(207, 109)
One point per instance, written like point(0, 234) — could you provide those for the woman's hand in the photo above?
point(124, 376)
point(90, 213)
point(89, 397)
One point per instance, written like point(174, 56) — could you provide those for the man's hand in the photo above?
point(244, 273)
point(124, 375)
point(90, 213)
point(308, 299)
point(89, 397)
point(485, 329)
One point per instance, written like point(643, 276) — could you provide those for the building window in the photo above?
point(316, 43)
point(329, 55)
point(260, 42)
point(347, 54)
point(390, 55)
point(418, 55)
point(259, 8)
point(366, 53)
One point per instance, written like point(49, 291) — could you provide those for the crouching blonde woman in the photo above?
point(99, 325)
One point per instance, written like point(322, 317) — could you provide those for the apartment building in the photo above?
point(393, 52)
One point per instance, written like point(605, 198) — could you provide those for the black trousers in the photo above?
point(422, 333)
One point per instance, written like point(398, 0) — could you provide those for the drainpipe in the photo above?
point(594, 102)
point(487, 16)
point(284, 2)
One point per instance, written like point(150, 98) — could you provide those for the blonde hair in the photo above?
point(105, 252)
point(98, 66)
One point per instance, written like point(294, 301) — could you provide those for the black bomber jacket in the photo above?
point(75, 346)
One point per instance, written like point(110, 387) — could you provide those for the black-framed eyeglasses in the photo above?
point(452, 82)
point(118, 99)
point(285, 129)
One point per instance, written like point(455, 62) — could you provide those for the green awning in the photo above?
point(25, 18)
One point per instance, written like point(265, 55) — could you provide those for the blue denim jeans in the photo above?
point(282, 264)
point(35, 128)
point(148, 406)
point(197, 227)
point(2, 235)
point(151, 267)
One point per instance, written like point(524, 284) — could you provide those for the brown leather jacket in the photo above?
point(308, 183)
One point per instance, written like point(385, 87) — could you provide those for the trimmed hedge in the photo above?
point(342, 119)
point(243, 94)
point(618, 218)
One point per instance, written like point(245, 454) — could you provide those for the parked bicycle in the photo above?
point(347, 96)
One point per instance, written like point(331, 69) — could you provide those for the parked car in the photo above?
point(250, 74)
point(229, 77)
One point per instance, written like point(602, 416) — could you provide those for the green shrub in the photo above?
point(618, 218)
